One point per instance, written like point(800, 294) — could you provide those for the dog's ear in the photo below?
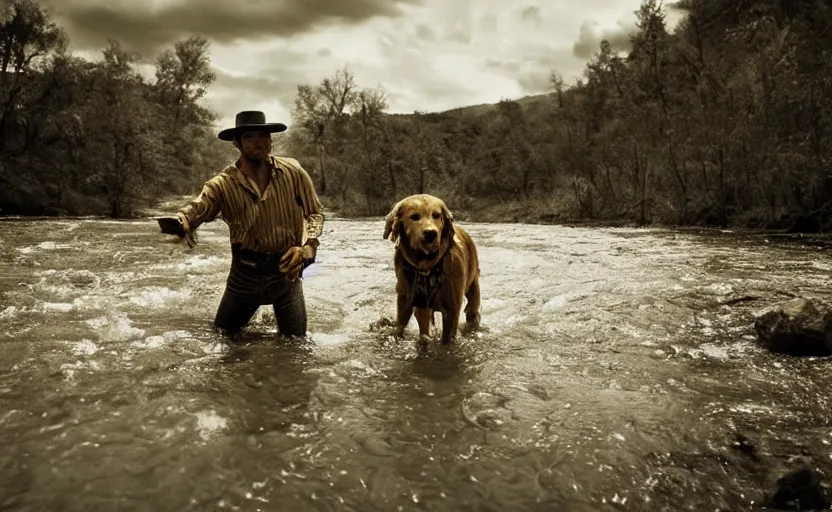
point(447, 227)
point(391, 225)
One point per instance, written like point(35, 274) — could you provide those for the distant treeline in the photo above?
point(80, 137)
point(724, 121)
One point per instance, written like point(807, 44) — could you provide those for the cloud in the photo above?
point(431, 55)
point(533, 72)
point(459, 35)
point(591, 36)
point(455, 24)
point(527, 43)
point(146, 27)
point(417, 71)
point(531, 14)
point(233, 93)
point(425, 33)
point(487, 23)
point(251, 85)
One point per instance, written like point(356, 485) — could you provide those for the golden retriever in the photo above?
point(436, 266)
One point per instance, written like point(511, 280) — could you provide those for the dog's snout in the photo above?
point(430, 235)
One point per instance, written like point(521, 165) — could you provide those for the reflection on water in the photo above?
point(616, 371)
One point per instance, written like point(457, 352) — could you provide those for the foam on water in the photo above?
point(43, 246)
point(151, 342)
point(209, 424)
point(114, 327)
point(84, 347)
point(11, 312)
point(199, 263)
point(719, 288)
point(329, 339)
point(160, 341)
point(70, 370)
point(56, 307)
point(158, 296)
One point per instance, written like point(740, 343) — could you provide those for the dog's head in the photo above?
point(422, 222)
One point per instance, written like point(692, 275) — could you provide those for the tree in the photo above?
point(183, 76)
point(311, 113)
point(27, 39)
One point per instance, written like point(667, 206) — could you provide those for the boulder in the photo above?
point(801, 489)
point(800, 327)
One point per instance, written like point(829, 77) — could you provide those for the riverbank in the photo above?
point(555, 211)
point(547, 212)
point(538, 212)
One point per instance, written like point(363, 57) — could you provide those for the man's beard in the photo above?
point(254, 161)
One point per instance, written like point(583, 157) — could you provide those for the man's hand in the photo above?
point(291, 261)
point(173, 226)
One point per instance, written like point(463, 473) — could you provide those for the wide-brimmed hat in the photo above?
point(251, 120)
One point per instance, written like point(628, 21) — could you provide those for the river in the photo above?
point(616, 370)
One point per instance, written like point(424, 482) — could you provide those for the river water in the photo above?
point(616, 370)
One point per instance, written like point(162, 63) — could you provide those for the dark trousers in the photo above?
point(247, 289)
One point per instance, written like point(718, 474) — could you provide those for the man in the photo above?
point(274, 217)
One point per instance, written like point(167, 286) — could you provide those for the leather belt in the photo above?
point(268, 262)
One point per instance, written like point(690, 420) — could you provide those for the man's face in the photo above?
point(256, 145)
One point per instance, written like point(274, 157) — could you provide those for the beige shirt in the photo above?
point(287, 213)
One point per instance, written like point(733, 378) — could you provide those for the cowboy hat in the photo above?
point(251, 120)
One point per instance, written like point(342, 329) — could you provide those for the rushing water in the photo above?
point(616, 370)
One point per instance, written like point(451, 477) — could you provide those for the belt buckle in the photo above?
point(248, 263)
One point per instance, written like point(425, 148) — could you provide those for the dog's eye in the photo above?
point(436, 215)
point(415, 216)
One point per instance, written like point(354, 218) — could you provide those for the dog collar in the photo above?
point(425, 283)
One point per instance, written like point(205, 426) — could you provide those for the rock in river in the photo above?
point(801, 327)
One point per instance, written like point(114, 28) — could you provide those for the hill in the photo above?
point(722, 122)
point(482, 109)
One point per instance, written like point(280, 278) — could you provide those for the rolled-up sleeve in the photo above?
point(203, 208)
point(313, 210)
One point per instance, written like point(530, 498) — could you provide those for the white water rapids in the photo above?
point(614, 372)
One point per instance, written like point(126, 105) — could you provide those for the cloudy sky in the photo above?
point(428, 55)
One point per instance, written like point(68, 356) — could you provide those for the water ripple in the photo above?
point(616, 370)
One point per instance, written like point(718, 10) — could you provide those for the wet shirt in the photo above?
point(286, 214)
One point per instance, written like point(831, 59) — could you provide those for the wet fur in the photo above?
point(460, 266)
